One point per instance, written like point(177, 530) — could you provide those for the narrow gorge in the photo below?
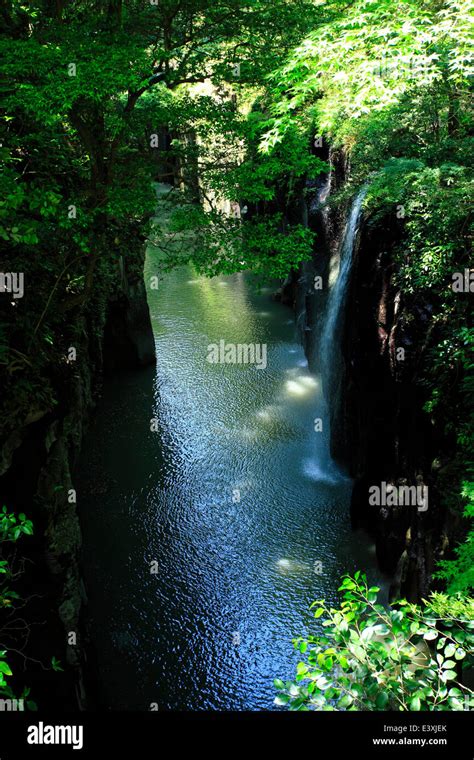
point(227, 484)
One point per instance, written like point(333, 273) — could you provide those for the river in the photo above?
point(209, 523)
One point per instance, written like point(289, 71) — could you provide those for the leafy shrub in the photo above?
point(405, 657)
point(11, 529)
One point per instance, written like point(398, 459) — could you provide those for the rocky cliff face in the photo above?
point(37, 477)
point(379, 431)
point(380, 428)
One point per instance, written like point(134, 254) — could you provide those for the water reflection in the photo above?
point(229, 500)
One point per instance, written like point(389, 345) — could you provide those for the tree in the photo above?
point(88, 85)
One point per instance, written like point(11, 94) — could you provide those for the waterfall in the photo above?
point(321, 467)
point(329, 346)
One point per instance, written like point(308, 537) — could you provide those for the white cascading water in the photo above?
point(329, 338)
point(321, 466)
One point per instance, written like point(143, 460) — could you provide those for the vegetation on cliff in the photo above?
point(13, 629)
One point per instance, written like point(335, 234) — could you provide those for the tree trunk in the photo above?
point(114, 12)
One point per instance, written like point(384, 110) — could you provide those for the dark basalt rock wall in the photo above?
point(327, 222)
point(128, 335)
point(37, 464)
point(380, 429)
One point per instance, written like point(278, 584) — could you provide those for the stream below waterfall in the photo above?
point(210, 518)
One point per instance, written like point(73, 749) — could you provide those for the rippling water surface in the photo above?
point(228, 498)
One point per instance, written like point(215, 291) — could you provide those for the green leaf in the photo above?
point(301, 668)
point(56, 665)
point(448, 675)
point(345, 701)
point(449, 664)
point(5, 668)
point(382, 700)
